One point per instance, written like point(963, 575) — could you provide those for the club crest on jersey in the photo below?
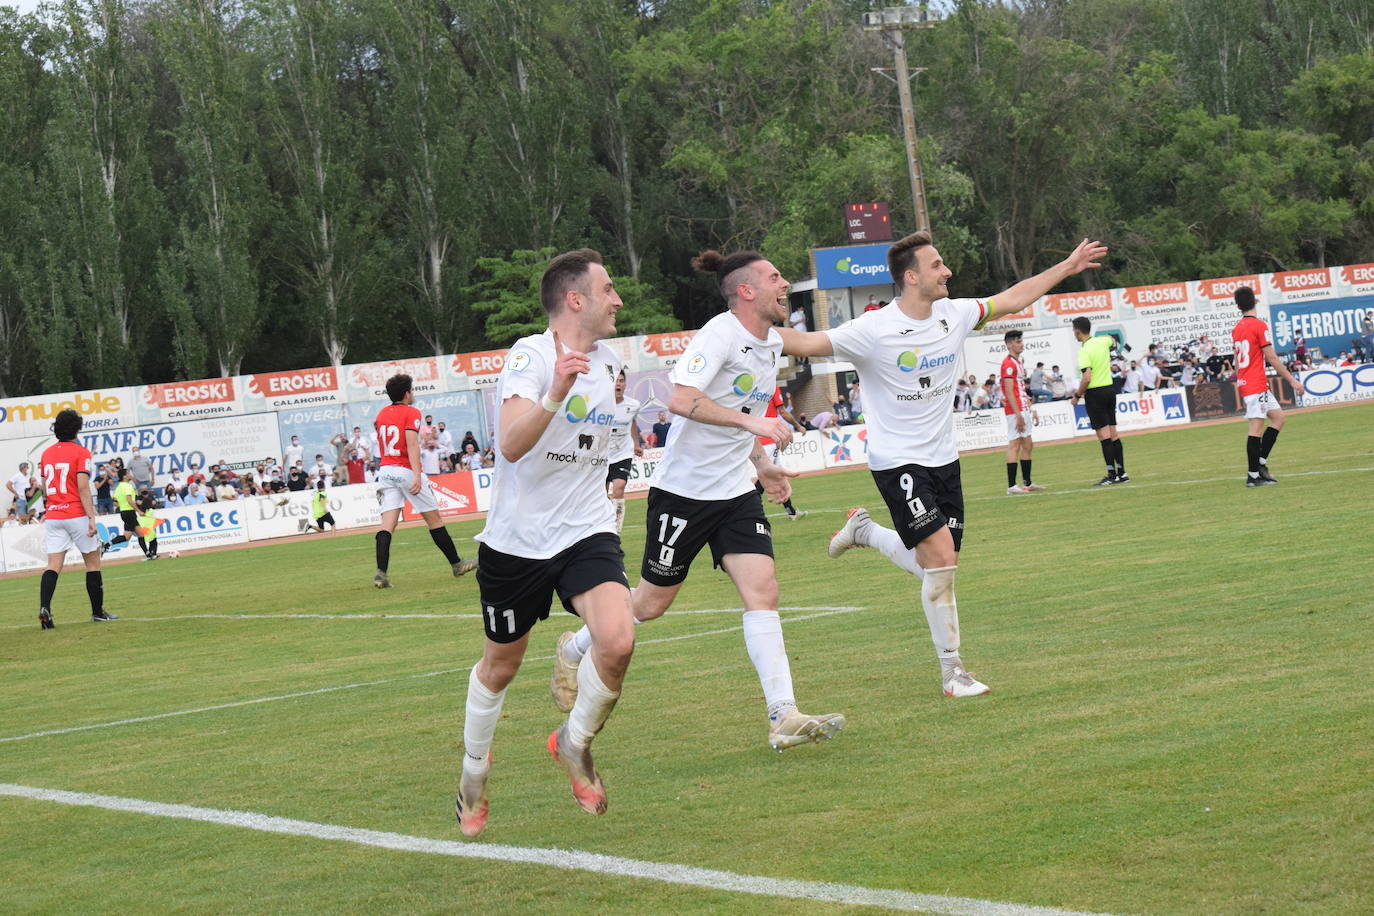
point(743, 384)
point(519, 362)
point(944, 326)
point(610, 373)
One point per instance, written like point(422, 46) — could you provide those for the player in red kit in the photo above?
point(1252, 347)
point(1020, 416)
point(399, 478)
point(776, 408)
point(65, 470)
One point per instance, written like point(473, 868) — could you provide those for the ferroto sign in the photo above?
point(300, 381)
point(86, 404)
point(181, 394)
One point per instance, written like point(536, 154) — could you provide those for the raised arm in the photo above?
point(1017, 297)
point(805, 343)
point(693, 404)
point(523, 421)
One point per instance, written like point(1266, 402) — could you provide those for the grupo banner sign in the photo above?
point(1338, 385)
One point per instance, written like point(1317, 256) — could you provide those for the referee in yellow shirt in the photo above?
point(1099, 397)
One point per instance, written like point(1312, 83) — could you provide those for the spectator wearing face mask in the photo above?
point(141, 470)
point(195, 496)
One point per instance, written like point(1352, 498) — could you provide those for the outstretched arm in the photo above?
point(805, 343)
point(693, 404)
point(1017, 297)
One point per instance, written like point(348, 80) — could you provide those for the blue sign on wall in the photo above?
point(1327, 324)
point(853, 265)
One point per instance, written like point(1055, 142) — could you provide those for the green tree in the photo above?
point(318, 61)
point(223, 192)
point(429, 121)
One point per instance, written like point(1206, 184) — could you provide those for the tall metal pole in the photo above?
point(913, 158)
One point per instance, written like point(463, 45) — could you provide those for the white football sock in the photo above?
point(594, 704)
point(763, 640)
point(889, 544)
point(483, 712)
point(942, 614)
point(619, 513)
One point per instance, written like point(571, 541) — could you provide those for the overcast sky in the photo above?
point(24, 6)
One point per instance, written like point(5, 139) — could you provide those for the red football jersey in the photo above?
point(1249, 338)
point(772, 411)
point(392, 423)
point(1011, 368)
point(59, 467)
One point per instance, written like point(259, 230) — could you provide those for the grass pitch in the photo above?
point(1182, 715)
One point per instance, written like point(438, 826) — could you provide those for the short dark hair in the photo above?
point(724, 267)
point(901, 257)
point(1082, 325)
point(563, 273)
point(397, 386)
point(1010, 336)
point(66, 425)
point(1245, 298)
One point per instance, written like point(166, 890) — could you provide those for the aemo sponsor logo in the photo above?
point(577, 410)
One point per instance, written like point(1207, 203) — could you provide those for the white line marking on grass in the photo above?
point(391, 680)
point(567, 859)
point(391, 616)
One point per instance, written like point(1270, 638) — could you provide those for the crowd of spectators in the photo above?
point(353, 459)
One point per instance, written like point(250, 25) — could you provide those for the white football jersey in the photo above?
point(622, 443)
point(738, 371)
point(909, 370)
point(555, 495)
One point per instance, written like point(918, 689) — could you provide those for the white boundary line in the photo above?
point(360, 684)
point(567, 859)
point(390, 616)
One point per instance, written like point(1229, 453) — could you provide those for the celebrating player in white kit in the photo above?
point(626, 444)
point(908, 356)
point(551, 528)
point(703, 490)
